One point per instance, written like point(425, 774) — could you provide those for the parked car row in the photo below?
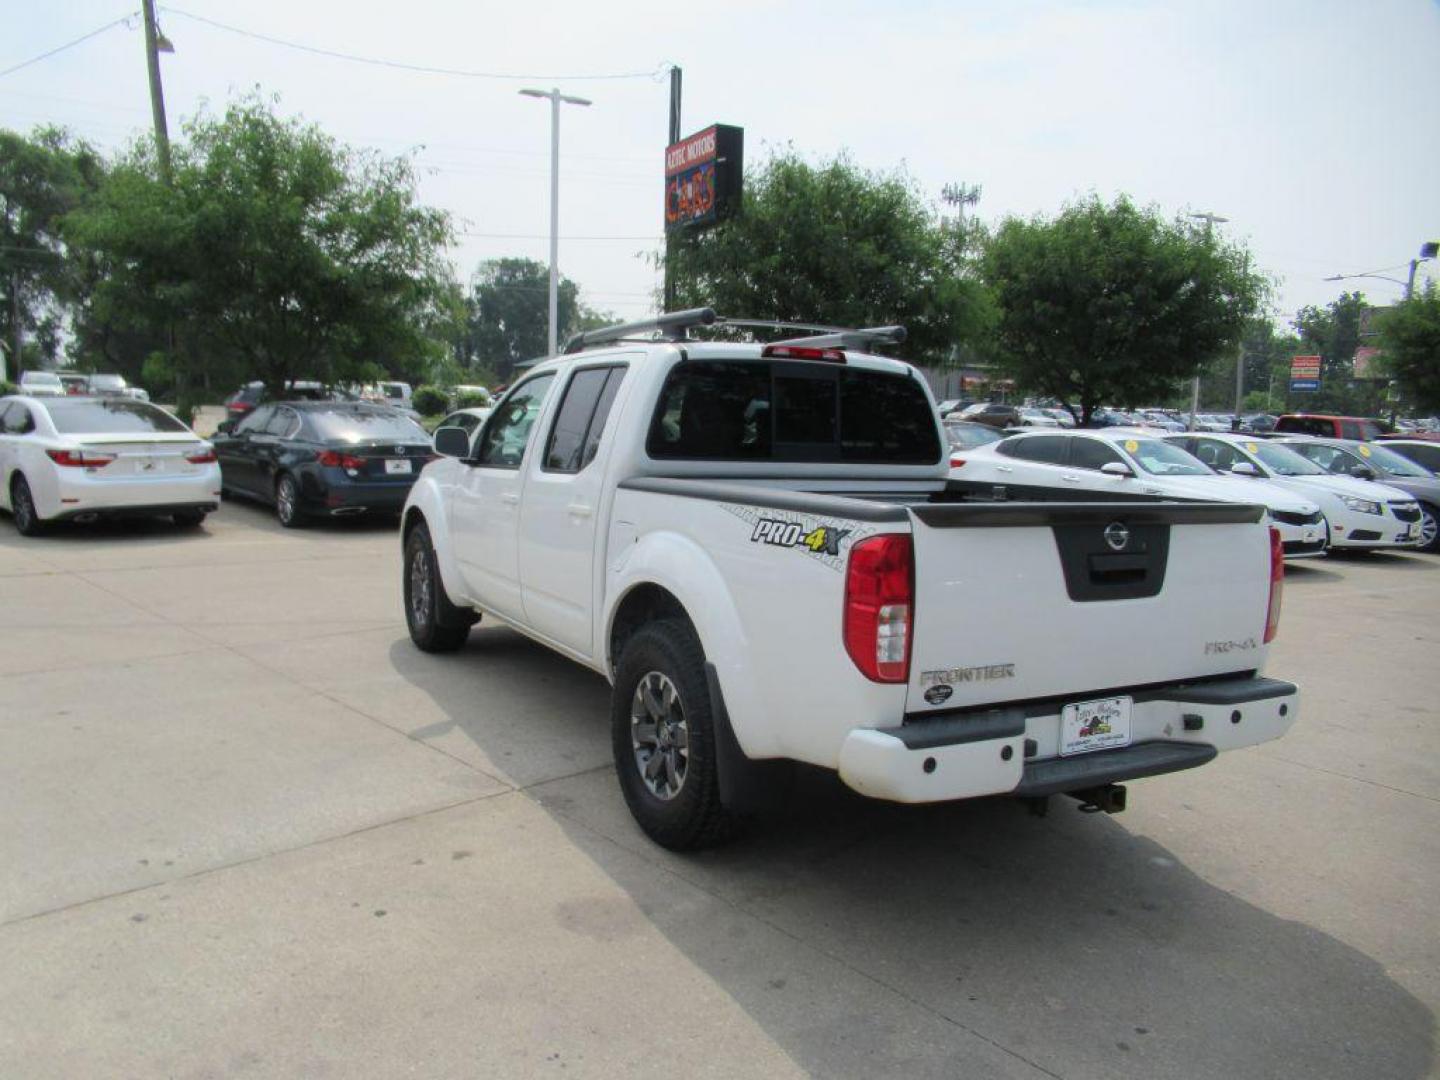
point(1321, 494)
point(39, 383)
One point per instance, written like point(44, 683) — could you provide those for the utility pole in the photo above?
point(1210, 220)
point(155, 44)
point(15, 328)
point(670, 284)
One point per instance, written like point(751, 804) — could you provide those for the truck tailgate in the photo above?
point(1017, 602)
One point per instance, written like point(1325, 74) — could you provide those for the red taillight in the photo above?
point(880, 607)
point(239, 407)
point(803, 352)
point(205, 457)
point(957, 463)
point(80, 459)
point(1277, 583)
point(337, 459)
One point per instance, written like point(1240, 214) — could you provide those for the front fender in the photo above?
point(685, 570)
point(427, 499)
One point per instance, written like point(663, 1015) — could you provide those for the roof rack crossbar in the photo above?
point(863, 338)
point(671, 326)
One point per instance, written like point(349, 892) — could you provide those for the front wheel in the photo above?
point(1429, 528)
point(663, 738)
point(435, 624)
point(287, 502)
point(22, 508)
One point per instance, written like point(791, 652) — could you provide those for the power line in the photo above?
point(546, 236)
point(68, 44)
point(423, 68)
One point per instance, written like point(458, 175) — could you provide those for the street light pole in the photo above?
point(1210, 220)
point(555, 99)
point(155, 44)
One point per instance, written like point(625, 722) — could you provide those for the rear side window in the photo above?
point(110, 417)
point(779, 411)
point(1046, 449)
point(575, 435)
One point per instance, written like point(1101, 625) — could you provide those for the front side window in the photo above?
point(507, 432)
point(254, 423)
point(1092, 454)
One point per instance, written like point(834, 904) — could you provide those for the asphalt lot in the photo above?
point(249, 830)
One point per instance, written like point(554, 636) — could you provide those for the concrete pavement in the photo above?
point(249, 830)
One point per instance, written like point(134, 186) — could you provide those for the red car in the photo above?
point(1331, 427)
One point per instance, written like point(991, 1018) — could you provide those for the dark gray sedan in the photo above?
point(1376, 461)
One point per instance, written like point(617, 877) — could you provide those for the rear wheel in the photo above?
point(287, 502)
point(1429, 528)
point(435, 624)
point(663, 738)
point(22, 508)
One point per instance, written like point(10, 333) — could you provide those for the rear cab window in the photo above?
point(792, 411)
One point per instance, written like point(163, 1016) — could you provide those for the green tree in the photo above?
point(42, 178)
point(276, 253)
point(1410, 341)
point(1111, 304)
point(509, 313)
point(836, 245)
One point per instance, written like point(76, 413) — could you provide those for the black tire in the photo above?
point(677, 801)
point(1429, 521)
point(436, 625)
point(287, 502)
point(188, 519)
point(22, 509)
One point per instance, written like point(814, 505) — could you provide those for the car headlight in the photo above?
point(1362, 506)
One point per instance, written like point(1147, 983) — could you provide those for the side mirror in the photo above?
point(225, 427)
point(1362, 472)
point(1244, 468)
point(452, 442)
point(1116, 468)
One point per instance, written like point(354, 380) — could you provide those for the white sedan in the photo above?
point(81, 458)
point(1138, 463)
point(1360, 514)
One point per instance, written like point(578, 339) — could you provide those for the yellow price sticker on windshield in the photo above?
point(1131, 445)
point(1252, 447)
point(1364, 451)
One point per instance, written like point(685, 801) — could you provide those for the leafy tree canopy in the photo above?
point(1410, 340)
point(276, 252)
point(836, 245)
point(1109, 304)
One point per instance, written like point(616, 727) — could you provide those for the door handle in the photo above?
point(580, 510)
point(510, 498)
point(1070, 478)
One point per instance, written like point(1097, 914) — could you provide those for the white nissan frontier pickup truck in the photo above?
point(758, 546)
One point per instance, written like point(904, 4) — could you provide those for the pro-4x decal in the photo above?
point(826, 540)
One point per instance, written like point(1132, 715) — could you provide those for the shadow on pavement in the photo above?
point(871, 939)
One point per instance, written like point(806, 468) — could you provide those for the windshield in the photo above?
point(1162, 459)
point(107, 382)
point(117, 417)
point(357, 425)
point(1391, 462)
point(1283, 461)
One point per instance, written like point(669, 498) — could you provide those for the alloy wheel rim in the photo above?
point(660, 735)
point(1428, 528)
point(419, 588)
point(23, 507)
point(285, 500)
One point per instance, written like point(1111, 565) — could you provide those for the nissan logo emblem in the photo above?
point(1117, 535)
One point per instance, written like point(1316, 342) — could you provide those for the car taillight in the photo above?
point(80, 459)
point(343, 461)
point(957, 463)
point(803, 352)
point(1277, 583)
point(205, 457)
point(880, 607)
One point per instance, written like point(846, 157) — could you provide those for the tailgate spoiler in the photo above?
point(1150, 512)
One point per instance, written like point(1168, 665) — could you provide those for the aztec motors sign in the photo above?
point(703, 176)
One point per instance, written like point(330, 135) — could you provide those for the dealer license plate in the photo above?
point(397, 465)
point(1095, 725)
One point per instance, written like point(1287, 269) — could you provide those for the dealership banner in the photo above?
point(703, 177)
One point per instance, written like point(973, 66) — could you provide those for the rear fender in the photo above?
point(682, 568)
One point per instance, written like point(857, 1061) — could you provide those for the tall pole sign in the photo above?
point(1304, 374)
point(703, 177)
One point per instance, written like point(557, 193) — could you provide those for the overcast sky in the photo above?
point(1313, 126)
